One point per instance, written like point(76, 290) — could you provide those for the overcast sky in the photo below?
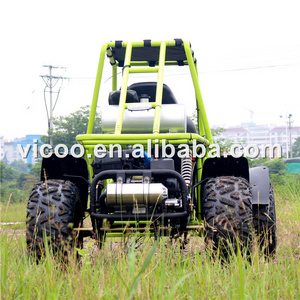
point(248, 55)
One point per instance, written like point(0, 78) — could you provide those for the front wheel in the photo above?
point(227, 213)
point(53, 211)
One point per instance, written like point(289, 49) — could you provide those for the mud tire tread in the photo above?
point(227, 212)
point(53, 211)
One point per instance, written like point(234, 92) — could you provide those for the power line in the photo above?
point(207, 71)
point(251, 68)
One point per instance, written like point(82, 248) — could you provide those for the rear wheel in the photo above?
point(264, 222)
point(227, 214)
point(53, 211)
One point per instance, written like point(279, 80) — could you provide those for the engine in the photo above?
point(140, 185)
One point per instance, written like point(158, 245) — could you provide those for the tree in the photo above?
point(36, 169)
point(257, 161)
point(29, 182)
point(296, 147)
point(277, 170)
point(224, 144)
point(276, 166)
point(6, 172)
point(66, 128)
point(19, 166)
point(21, 180)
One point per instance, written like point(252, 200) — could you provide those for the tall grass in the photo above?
point(13, 212)
point(287, 196)
point(159, 270)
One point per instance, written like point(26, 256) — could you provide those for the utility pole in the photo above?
point(51, 81)
point(288, 127)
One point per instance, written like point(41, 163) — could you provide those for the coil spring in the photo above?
point(187, 168)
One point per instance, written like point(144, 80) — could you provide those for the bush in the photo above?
point(14, 184)
point(9, 191)
point(277, 168)
point(288, 187)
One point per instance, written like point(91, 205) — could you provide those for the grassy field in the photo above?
point(125, 270)
point(13, 213)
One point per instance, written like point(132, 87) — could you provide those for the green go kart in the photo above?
point(149, 171)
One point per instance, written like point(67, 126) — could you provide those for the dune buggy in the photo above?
point(148, 171)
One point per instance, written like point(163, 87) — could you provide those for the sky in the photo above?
point(248, 55)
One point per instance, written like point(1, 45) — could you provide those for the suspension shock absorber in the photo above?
point(187, 168)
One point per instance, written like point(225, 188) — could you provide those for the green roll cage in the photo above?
point(133, 57)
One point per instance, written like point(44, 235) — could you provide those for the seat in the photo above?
point(132, 121)
point(149, 88)
point(168, 97)
point(114, 97)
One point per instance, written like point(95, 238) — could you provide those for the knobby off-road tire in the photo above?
point(53, 211)
point(227, 209)
point(264, 222)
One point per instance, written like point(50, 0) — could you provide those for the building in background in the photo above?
point(10, 152)
point(261, 135)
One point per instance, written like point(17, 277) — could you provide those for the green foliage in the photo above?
point(21, 180)
point(66, 128)
point(135, 278)
point(149, 272)
point(6, 172)
point(224, 144)
point(36, 169)
point(19, 166)
point(289, 187)
point(14, 212)
point(256, 162)
point(276, 166)
point(9, 191)
point(296, 147)
point(15, 185)
point(25, 181)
